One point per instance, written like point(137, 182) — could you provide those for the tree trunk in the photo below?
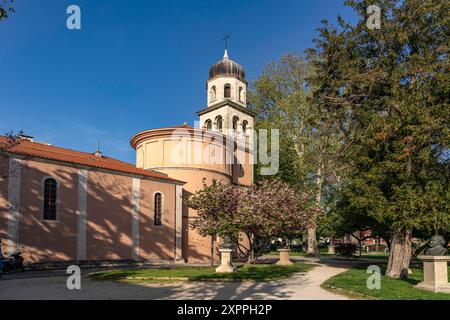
point(251, 256)
point(420, 249)
point(360, 247)
point(304, 243)
point(212, 251)
point(331, 246)
point(312, 242)
point(400, 254)
point(388, 244)
point(312, 237)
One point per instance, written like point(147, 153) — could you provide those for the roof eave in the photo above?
point(223, 103)
point(79, 165)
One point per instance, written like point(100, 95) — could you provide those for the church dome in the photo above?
point(227, 67)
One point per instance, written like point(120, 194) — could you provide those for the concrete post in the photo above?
point(225, 261)
point(284, 257)
point(331, 249)
point(435, 274)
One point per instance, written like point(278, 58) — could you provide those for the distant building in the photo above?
point(369, 243)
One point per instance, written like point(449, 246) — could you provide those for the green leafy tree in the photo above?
point(390, 89)
point(354, 221)
point(6, 7)
point(7, 143)
point(308, 139)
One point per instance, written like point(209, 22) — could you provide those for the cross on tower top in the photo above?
point(225, 55)
point(226, 40)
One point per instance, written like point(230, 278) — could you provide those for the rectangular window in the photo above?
point(50, 199)
point(157, 209)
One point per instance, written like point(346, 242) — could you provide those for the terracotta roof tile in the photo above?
point(45, 151)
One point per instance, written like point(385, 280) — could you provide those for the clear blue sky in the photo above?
point(135, 65)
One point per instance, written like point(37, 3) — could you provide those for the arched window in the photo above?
point(208, 124)
point(219, 123)
point(240, 94)
point(157, 208)
point(244, 126)
point(227, 91)
point(213, 93)
point(50, 198)
point(235, 123)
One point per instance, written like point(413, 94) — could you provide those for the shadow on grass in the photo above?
point(354, 281)
point(413, 279)
point(257, 272)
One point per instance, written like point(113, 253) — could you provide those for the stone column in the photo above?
point(13, 216)
point(135, 217)
point(82, 213)
point(435, 274)
point(331, 246)
point(284, 257)
point(179, 224)
point(225, 261)
point(331, 249)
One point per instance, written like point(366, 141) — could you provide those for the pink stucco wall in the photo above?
point(47, 240)
point(109, 215)
point(108, 230)
point(196, 248)
point(109, 226)
point(157, 242)
point(159, 148)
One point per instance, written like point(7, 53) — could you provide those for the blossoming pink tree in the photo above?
point(252, 217)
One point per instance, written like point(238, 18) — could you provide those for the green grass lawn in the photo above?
point(292, 254)
point(256, 272)
point(377, 256)
point(354, 281)
point(323, 252)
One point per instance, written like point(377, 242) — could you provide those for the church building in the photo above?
point(58, 204)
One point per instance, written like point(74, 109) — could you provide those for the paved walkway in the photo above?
point(53, 286)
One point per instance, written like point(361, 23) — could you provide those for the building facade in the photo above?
point(64, 205)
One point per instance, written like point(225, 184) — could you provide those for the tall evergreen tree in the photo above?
point(390, 88)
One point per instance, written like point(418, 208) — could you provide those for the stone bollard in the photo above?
point(331, 249)
point(435, 274)
point(225, 261)
point(284, 257)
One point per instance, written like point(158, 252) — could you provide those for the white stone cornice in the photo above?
point(82, 214)
point(14, 188)
point(135, 213)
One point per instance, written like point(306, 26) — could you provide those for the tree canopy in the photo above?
point(390, 89)
point(6, 7)
point(364, 122)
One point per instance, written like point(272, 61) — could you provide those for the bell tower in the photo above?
point(227, 113)
point(226, 90)
point(226, 82)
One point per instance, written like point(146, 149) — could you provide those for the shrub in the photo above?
point(373, 247)
point(345, 249)
point(296, 248)
point(323, 245)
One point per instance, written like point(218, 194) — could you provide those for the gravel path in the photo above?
point(53, 286)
